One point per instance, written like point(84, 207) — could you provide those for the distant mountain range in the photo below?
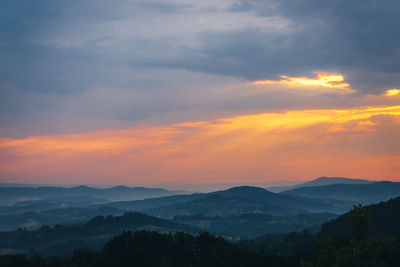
point(327, 197)
point(321, 181)
point(356, 193)
point(234, 207)
point(234, 201)
point(12, 195)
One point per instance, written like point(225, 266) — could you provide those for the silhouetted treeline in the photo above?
point(383, 221)
point(157, 249)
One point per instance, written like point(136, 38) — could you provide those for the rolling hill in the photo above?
point(33, 220)
point(356, 193)
point(51, 204)
point(232, 202)
point(150, 203)
point(321, 181)
point(63, 239)
point(247, 199)
point(254, 225)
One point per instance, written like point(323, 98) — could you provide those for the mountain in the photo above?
point(51, 204)
point(13, 195)
point(247, 199)
point(356, 193)
point(226, 205)
point(63, 239)
point(384, 220)
point(211, 187)
point(35, 219)
point(321, 181)
point(141, 205)
point(255, 224)
point(235, 201)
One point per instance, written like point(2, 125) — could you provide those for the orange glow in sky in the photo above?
point(321, 80)
point(392, 92)
point(297, 144)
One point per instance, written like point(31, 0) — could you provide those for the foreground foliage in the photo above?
point(156, 249)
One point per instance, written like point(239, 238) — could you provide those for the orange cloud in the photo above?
point(322, 80)
point(392, 92)
point(361, 142)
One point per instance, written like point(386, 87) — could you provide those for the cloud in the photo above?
point(356, 39)
point(392, 92)
point(322, 80)
point(77, 66)
point(321, 83)
point(360, 142)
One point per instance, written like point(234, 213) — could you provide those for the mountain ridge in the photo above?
point(246, 199)
point(321, 181)
point(358, 193)
point(12, 195)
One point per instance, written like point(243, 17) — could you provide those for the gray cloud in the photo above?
point(128, 60)
point(348, 36)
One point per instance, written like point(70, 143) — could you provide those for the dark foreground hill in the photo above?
point(144, 249)
point(357, 193)
point(147, 249)
point(63, 239)
point(381, 219)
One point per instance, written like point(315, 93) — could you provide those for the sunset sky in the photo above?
point(156, 92)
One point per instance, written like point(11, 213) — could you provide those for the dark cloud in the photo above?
point(91, 57)
point(359, 39)
point(350, 36)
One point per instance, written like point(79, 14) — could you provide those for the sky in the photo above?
point(181, 91)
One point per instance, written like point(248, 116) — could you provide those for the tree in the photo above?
point(360, 218)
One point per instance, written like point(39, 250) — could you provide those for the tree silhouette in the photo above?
point(360, 218)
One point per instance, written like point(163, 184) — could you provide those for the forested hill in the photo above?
point(381, 219)
point(247, 199)
point(62, 239)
